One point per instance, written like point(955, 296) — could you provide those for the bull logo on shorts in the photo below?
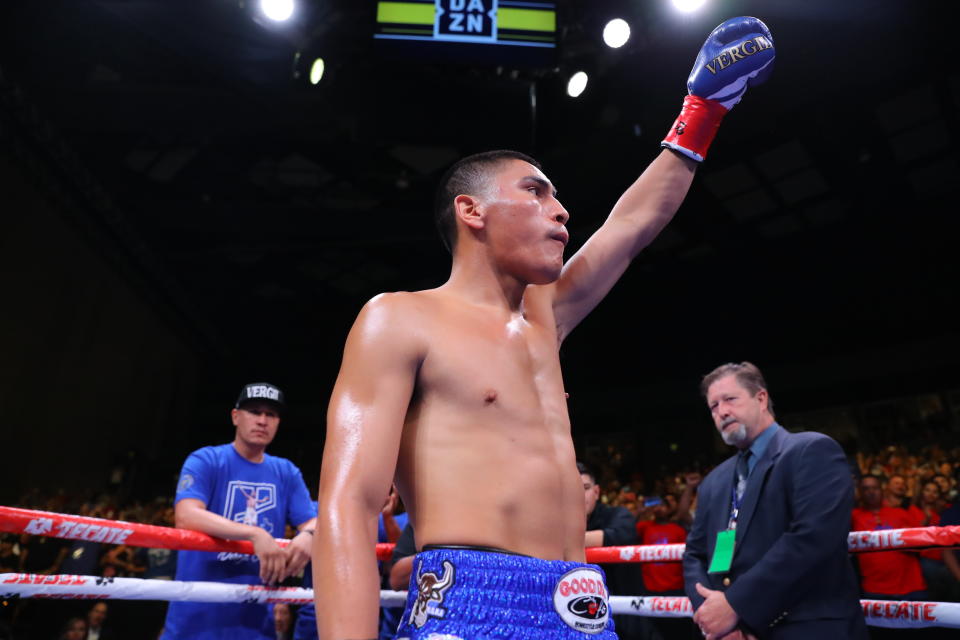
point(430, 591)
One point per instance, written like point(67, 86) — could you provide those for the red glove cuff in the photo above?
point(695, 127)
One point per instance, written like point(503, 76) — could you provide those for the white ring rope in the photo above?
point(879, 613)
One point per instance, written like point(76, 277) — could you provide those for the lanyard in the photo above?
point(735, 503)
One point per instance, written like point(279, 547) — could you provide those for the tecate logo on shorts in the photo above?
point(580, 599)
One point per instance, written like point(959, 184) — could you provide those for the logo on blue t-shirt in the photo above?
point(186, 481)
point(247, 500)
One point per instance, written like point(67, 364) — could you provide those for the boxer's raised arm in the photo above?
point(639, 215)
point(736, 55)
point(364, 424)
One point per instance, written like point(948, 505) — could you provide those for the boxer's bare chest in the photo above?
point(493, 362)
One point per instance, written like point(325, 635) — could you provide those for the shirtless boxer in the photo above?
point(457, 394)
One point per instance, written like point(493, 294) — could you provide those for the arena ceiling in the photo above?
point(259, 212)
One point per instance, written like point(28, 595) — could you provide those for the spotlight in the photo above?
point(277, 10)
point(688, 5)
point(577, 84)
point(315, 64)
point(616, 33)
point(316, 71)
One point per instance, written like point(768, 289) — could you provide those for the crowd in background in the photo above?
point(915, 487)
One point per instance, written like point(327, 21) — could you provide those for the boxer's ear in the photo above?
point(469, 210)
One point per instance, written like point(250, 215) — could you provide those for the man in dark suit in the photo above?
point(767, 554)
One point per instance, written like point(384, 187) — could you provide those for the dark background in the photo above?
point(180, 215)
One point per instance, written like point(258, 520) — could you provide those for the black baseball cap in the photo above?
point(261, 392)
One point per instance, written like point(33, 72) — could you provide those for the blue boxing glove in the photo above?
point(737, 54)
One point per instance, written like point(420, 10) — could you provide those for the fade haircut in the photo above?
point(747, 374)
point(468, 176)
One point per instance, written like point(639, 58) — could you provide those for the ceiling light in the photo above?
point(277, 10)
point(316, 71)
point(688, 5)
point(616, 33)
point(577, 84)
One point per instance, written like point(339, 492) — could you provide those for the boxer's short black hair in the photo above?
point(467, 176)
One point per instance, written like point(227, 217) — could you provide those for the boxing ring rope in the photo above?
point(70, 527)
point(882, 613)
point(878, 613)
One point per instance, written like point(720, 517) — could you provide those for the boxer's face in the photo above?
point(738, 415)
point(256, 423)
point(524, 223)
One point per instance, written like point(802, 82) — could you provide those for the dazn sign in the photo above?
point(466, 20)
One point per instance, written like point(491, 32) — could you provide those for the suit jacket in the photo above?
point(791, 574)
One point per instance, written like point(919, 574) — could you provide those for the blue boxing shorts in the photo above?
point(469, 594)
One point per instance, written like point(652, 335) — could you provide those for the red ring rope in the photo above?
point(59, 525)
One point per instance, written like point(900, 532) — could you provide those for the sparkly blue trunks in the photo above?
point(466, 594)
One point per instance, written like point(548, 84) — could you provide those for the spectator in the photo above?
point(96, 618)
point(610, 526)
point(940, 582)
point(606, 525)
point(943, 482)
point(664, 578)
point(951, 517)
point(401, 561)
point(238, 491)
point(161, 563)
point(687, 505)
point(283, 621)
point(42, 555)
point(75, 629)
point(392, 518)
point(83, 556)
point(120, 561)
point(391, 522)
point(929, 504)
point(886, 575)
point(896, 492)
point(9, 558)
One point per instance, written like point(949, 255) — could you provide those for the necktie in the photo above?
point(743, 470)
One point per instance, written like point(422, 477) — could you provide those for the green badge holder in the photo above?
point(723, 552)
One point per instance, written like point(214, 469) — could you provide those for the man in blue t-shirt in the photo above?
point(239, 492)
